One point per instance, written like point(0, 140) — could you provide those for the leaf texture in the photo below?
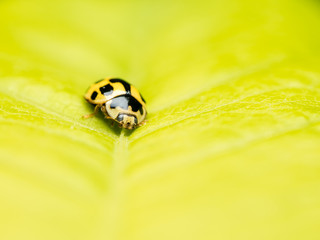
point(231, 146)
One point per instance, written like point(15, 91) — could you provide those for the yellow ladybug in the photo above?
point(119, 101)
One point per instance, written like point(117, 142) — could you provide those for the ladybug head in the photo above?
point(127, 121)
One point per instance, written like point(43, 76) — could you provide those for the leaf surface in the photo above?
point(231, 146)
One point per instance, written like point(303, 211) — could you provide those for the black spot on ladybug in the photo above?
point(124, 101)
point(94, 95)
point(99, 80)
point(106, 90)
point(124, 83)
point(142, 98)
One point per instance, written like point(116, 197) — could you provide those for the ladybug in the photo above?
point(119, 101)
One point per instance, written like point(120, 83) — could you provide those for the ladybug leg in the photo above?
point(144, 122)
point(96, 109)
point(105, 113)
point(106, 116)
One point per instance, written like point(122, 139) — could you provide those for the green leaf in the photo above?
point(231, 146)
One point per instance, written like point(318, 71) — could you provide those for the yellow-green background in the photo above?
point(231, 149)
